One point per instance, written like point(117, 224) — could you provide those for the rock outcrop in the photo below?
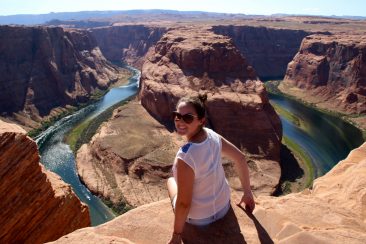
point(334, 211)
point(189, 61)
point(127, 43)
point(129, 159)
point(330, 71)
point(36, 205)
point(43, 68)
point(268, 50)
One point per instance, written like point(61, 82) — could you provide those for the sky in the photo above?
point(266, 7)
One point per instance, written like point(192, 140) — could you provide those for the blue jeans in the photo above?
point(206, 221)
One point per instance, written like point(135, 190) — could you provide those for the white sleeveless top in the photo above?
point(211, 192)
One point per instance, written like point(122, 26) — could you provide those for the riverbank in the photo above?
point(59, 113)
point(277, 87)
point(324, 138)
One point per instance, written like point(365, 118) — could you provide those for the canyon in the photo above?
point(183, 63)
point(36, 205)
point(45, 69)
point(130, 157)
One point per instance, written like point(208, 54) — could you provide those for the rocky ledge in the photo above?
point(333, 211)
point(330, 71)
point(36, 205)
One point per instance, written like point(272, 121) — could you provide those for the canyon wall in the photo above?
point(36, 205)
point(330, 70)
point(268, 50)
point(127, 43)
point(43, 68)
point(333, 211)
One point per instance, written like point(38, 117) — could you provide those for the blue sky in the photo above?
point(310, 7)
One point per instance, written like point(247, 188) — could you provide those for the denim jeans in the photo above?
point(206, 221)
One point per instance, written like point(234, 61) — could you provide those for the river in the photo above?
point(59, 158)
point(325, 139)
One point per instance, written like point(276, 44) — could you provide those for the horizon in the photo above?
point(247, 7)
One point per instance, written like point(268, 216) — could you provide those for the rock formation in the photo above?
point(129, 159)
point(334, 211)
point(268, 50)
point(43, 68)
point(330, 71)
point(127, 43)
point(36, 205)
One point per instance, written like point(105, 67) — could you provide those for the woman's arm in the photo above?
point(241, 167)
point(185, 180)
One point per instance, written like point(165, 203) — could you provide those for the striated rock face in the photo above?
point(268, 50)
point(330, 70)
point(127, 43)
point(36, 205)
point(191, 61)
point(43, 68)
point(332, 212)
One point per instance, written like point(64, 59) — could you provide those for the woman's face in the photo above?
point(184, 128)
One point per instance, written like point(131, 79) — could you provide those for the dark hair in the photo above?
point(198, 103)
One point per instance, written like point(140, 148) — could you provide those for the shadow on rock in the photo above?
point(225, 230)
point(263, 235)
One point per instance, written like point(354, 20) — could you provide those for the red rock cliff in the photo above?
point(268, 50)
point(36, 205)
point(331, 68)
point(127, 43)
point(187, 61)
point(43, 68)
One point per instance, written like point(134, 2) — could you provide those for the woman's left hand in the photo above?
point(175, 239)
point(248, 199)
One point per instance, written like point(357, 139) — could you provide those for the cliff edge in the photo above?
point(36, 205)
point(334, 211)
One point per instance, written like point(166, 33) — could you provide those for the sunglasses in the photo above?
point(187, 118)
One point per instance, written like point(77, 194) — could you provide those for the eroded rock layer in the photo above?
point(43, 68)
point(330, 71)
point(332, 212)
point(36, 205)
point(268, 50)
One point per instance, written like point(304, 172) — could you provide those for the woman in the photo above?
point(199, 191)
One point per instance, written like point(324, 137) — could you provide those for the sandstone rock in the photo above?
point(330, 71)
point(8, 127)
point(36, 205)
point(127, 43)
point(43, 68)
point(332, 212)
